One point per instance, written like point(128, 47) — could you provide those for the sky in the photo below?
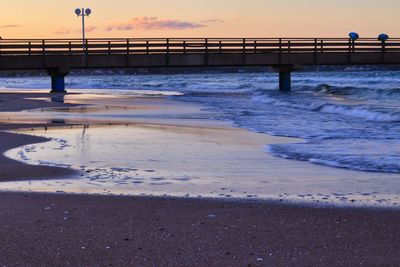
point(200, 18)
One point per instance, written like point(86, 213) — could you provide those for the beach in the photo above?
point(60, 229)
point(75, 230)
point(11, 169)
point(199, 133)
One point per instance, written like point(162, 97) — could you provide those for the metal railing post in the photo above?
point(128, 52)
point(206, 51)
point(167, 46)
point(43, 54)
point(349, 45)
point(383, 52)
point(315, 46)
point(315, 50)
point(280, 51)
point(43, 48)
point(167, 57)
point(128, 46)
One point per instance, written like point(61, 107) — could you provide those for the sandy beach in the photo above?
point(199, 133)
point(80, 230)
point(68, 230)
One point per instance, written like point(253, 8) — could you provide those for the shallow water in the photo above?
point(340, 114)
point(349, 126)
point(197, 161)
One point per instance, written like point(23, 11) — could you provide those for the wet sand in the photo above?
point(23, 101)
point(11, 170)
point(78, 230)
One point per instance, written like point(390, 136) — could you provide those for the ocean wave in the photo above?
point(306, 103)
point(364, 113)
point(373, 92)
point(322, 107)
point(216, 94)
point(370, 163)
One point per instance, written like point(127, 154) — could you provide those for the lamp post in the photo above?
point(83, 12)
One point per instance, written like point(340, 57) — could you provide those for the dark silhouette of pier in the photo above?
point(284, 55)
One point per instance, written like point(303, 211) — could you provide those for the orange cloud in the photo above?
point(153, 23)
point(62, 31)
point(213, 21)
point(9, 26)
point(66, 31)
point(237, 19)
point(91, 28)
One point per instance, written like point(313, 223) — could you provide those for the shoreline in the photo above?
point(240, 201)
point(11, 170)
point(309, 192)
point(68, 229)
point(21, 134)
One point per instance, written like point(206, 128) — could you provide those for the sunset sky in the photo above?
point(200, 18)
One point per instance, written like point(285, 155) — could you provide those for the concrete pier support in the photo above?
point(285, 76)
point(285, 81)
point(58, 79)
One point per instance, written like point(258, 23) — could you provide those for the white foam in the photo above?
point(359, 112)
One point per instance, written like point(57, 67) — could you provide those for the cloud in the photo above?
point(154, 23)
point(237, 19)
point(9, 26)
point(66, 31)
point(213, 21)
point(91, 28)
point(62, 31)
point(120, 27)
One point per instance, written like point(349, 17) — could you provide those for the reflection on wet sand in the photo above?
point(192, 161)
point(105, 109)
point(167, 148)
point(58, 98)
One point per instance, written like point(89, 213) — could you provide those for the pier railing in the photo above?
point(35, 47)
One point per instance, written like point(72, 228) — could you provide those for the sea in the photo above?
point(346, 118)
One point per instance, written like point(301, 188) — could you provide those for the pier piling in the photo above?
point(58, 79)
point(285, 81)
point(285, 76)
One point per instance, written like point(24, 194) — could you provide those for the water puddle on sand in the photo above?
point(212, 160)
point(111, 109)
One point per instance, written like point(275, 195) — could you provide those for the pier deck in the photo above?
point(59, 56)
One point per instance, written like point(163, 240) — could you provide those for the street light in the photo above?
point(83, 12)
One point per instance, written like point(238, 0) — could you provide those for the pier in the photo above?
point(284, 55)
